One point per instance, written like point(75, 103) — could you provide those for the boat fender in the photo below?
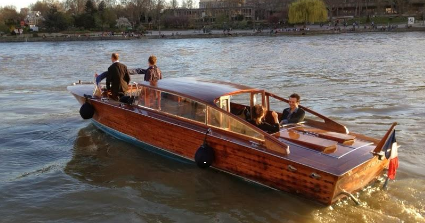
point(204, 156)
point(87, 110)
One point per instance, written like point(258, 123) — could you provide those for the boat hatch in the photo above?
point(328, 143)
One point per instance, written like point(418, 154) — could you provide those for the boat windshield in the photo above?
point(224, 121)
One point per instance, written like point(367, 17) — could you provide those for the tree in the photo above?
point(9, 17)
point(106, 16)
point(75, 6)
point(102, 10)
point(88, 18)
point(41, 6)
point(184, 4)
point(90, 7)
point(303, 11)
point(189, 4)
point(56, 20)
point(174, 4)
point(123, 23)
point(134, 10)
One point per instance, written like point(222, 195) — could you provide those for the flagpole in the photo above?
point(386, 183)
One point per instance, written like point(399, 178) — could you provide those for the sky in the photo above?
point(17, 3)
point(25, 3)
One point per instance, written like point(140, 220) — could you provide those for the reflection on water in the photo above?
point(55, 166)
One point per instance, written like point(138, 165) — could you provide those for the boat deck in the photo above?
point(327, 155)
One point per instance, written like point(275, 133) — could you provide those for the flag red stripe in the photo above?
point(392, 168)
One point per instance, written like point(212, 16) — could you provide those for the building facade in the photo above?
point(260, 10)
point(33, 18)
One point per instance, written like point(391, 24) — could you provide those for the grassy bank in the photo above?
point(216, 34)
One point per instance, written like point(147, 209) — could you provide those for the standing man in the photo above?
point(293, 114)
point(117, 78)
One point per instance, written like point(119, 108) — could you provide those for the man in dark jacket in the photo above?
point(153, 73)
point(117, 78)
point(293, 114)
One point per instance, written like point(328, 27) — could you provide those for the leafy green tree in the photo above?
point(107, 17)
point(87, 20)
point(56, 20)
point(303, 11)
point(90, 7)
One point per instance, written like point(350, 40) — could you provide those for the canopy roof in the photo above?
point(199, 89)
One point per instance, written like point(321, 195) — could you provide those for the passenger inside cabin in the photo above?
point(153, 73)
point(258, 115)
point(293, 114)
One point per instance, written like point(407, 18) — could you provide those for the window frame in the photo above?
point(171, 114)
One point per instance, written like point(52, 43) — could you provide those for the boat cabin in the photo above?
point(207, 102)
point(228, 106)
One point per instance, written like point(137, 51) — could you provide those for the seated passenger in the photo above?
point(258, 115)
point(293, 114)
point(153, 73)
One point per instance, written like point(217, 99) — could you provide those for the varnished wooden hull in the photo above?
point(237, 157)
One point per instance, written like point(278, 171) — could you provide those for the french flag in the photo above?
point(390, 148)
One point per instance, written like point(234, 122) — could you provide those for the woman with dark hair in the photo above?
point(258, 115)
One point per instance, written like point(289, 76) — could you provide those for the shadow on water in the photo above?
point(103, 161)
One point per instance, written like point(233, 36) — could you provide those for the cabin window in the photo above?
point(183, 107)
point(257, 98)
point(150, 98)
point(172, 104)
point(241, 99)
point(224, 121)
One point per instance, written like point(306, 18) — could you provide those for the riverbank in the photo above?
point(187, 34)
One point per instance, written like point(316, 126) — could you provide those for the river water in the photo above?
point(54, 166)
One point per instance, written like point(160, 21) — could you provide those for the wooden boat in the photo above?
point(318, 159)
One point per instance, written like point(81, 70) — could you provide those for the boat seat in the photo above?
point(133, 90)
point(344, 139)
point(309, 141)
